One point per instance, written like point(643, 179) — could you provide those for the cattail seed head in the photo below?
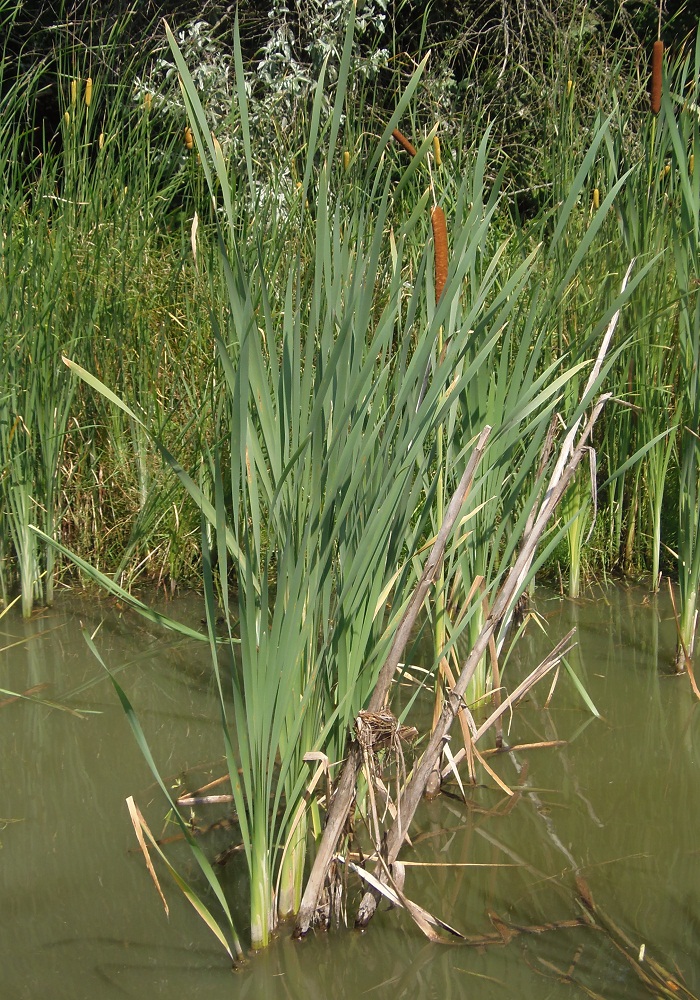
point(437, 152)
point(403, 141)
point(656, 64)
point(439, 225)
point(66, 118)
point(73, 91)
point(691, 163)
point(101, 140)
point(147, 101)
point(596, 199)
point(88, 92)
point(346, 160)
point(189, 138)
point(569, 87)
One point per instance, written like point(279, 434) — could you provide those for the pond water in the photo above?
point(618, 803)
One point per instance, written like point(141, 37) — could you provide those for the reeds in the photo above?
point(335, 389)
point(80, 227)
point(656, 75)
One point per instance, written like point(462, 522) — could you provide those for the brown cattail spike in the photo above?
point(440, 238)
point(656, 63)
point(403, 141)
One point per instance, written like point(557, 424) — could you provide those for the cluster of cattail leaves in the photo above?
point(313, 363)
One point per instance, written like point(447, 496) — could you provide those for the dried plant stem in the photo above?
point(656, 64)
point(506, 595)
point(570, 454)
point(345, 790)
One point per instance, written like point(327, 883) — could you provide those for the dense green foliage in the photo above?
point(97, 258)
point(241, 270)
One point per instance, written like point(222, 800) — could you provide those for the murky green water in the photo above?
point(619, 803)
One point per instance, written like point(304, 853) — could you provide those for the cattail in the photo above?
point(440, 238)
point(437, 152)
point(101, 140)
point(189, 139)
point(569, 87)
point(66, 118)
point(596, 199)
point(346, 160)
point(691, 163)
point(666, 170)
point(403, 141)
point(656, 62)
point(88, 92)
point(73, 91)
point(148, 101)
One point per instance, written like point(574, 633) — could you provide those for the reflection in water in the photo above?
point(616, 804)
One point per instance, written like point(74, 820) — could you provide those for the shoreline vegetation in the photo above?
point(339, 348)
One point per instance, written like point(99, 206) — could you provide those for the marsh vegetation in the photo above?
point(360, 359)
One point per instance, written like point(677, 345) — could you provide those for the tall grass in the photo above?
point(290, 352)
point(680, 116)
point(80, 214)
point(336, 370)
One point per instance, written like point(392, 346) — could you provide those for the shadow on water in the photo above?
point(617, 804)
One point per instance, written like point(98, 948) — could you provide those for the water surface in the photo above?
point(618, 803)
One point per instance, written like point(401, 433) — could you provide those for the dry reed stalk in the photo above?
point(439, 224)
point(345, 786)
point(403, 141)
point(656, 63)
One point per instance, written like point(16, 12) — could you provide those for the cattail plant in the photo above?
point(656, 76)
point(404, 142)
point(439, 225)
